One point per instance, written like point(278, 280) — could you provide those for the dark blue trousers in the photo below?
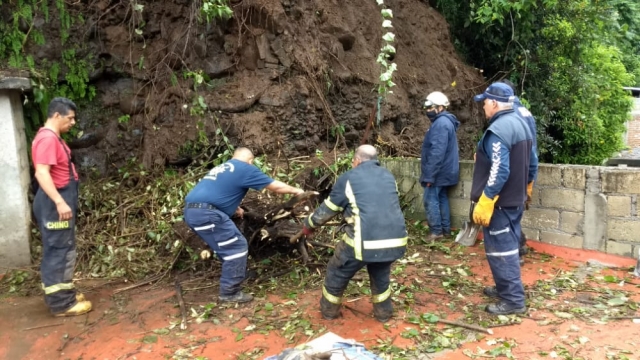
point(343, 266)
point(221, 234)
point(58, 248)
point(502, 243)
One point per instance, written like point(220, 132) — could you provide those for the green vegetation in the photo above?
point(570, 60)
point(66, 76)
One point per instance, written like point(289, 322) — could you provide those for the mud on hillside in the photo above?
point(283, 76)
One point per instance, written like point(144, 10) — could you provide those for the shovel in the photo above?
point(636, 271)
point(467, 236)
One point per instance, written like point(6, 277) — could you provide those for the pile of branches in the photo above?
point(132, 226)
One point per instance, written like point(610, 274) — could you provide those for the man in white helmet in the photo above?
point(440, 164)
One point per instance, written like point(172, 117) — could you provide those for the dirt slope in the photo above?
point(283, 75)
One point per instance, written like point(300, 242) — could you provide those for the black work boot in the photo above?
point(383, 311)
point(491, 291)
point(329, 310)
point(502, 308)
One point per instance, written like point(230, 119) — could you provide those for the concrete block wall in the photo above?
point(633, 126)
point(585, 207)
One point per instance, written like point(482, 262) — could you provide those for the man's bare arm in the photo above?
point(279, 187)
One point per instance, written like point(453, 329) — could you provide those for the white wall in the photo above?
point(15, 212)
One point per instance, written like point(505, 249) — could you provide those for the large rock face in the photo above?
point(281, 76)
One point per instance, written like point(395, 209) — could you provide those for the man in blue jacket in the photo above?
point(440, 164)
point(210, 206)
point(524, 113)
point(505, 167)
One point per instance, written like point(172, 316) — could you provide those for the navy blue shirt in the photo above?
point(226, 185)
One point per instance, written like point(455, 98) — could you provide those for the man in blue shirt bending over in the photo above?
point(210, 206)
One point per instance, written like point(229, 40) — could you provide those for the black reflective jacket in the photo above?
point(368, 198)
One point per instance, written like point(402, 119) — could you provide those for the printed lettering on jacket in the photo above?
point(57, 225)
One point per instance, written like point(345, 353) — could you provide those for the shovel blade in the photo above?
point(468, 235)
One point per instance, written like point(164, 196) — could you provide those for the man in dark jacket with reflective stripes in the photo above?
point(505, 167)
point(375, 233)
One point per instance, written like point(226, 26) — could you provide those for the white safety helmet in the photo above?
point(436, 98)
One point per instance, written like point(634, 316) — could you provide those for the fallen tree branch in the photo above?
point(141, 283)
point(466, 326)
point(320, 244)
point(302, 248)
point(629, 317)
point(183, 309)
point(41, 326)
point(355, 311)
point(70, 339)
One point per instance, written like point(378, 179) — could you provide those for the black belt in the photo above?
point(201, 206)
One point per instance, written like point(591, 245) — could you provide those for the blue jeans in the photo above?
point(221, 234)
point(501, 243)
point(436, 206)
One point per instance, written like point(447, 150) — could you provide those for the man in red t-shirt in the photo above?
point(55, 206)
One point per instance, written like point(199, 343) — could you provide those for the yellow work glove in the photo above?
point(484, 210)
point(529, 194)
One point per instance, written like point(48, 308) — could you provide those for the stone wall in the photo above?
point(586, 207)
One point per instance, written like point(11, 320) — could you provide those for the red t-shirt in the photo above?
point(47, 149)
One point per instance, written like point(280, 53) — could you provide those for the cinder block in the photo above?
point(466, 189)
point(616, 181)
point(619, 205)
point(624, 230)
point(571, 222)
point(458, 221)
point(618, 248)
point(549, 175)
point(538, 218)
point(563, 199)
point(466, 170)
point(531, 234)
point(535, 197)
point(456, 191)
point(574, 177)
point(460, 207)
point(567, 240)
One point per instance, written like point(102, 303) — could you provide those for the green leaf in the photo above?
point(413, 319)
point(563, 315)
point(617, 301)
point(150, 339)
point(430, 318)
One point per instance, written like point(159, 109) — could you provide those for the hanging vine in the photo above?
point(387, 66)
